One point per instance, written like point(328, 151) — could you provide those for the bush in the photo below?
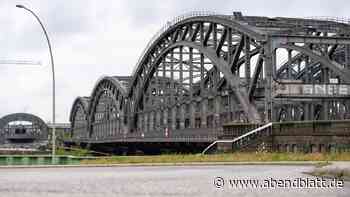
point(74, 152)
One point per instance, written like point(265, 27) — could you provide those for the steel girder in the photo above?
point(222, 65)
point(226, 21)
point(319, 66)
point(189, 38)
point(338, 69)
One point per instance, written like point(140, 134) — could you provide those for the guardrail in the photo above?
point(193, 134)
point(330, 18)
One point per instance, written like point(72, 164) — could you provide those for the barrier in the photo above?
point(21, 160)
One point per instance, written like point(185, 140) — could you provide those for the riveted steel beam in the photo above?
point(222, 66)
point(344, 73)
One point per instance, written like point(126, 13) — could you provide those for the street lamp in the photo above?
point(53, 80)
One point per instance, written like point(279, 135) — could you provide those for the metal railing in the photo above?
point(330, 19)
point(169, 24)
point(241, 138)
point(23, 136)
point(190, 134)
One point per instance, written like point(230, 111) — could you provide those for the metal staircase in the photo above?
point(245, 139)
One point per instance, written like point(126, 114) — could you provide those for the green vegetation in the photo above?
point(73, 151)
point(228, 157)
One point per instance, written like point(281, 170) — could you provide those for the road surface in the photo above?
point(165, 181)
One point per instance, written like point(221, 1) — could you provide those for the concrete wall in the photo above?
point(303, 136)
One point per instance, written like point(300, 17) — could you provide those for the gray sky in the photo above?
point(91, 38)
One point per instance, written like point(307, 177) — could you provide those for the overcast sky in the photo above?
point(95, 38)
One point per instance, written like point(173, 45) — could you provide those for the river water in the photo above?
point(174, 181)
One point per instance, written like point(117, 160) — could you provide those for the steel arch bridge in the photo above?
point(21, 129)
point(203, 70)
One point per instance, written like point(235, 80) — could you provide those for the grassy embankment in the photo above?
point(322, 159)
point(225, 157)
point(228, 157)
point(74, 152)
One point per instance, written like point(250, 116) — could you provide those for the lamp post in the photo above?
point(53, 80)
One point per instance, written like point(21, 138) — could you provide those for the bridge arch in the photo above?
point(219, 39)
point(79, 118)
point(107, 110)
point(23, 126)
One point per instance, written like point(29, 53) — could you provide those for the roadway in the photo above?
point(156, 181)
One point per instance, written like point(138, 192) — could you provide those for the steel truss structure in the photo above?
point(203, 70)
point(20, 128)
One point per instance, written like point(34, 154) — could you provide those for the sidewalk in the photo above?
point(337, 169)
